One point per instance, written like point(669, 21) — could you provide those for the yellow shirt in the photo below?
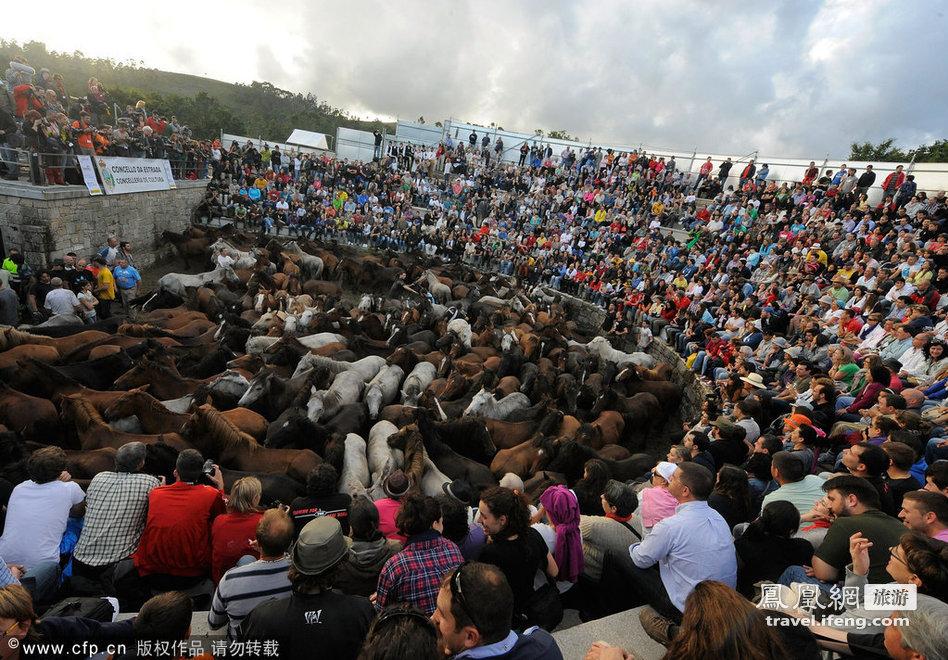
point(601, 216)
point(106, 283)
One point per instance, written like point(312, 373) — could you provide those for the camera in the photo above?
point(208, 468)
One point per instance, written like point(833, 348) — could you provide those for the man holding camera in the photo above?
point(175, 547)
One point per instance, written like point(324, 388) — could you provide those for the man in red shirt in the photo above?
point(891, 184)
point(175, 548)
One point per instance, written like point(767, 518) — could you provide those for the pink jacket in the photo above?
point(657, 504)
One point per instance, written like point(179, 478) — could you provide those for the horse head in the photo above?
point(478, 403)
point(259, 387)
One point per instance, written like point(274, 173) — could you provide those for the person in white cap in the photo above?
point(656, 502)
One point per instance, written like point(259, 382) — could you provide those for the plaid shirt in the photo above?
point(116, 507)
point(414, 575)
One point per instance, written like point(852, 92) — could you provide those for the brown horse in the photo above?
point(163, 382)
point(10, 337)
point(25, 414)
point(15, 357)
point(215, 436)
point(605, 430)
point(155, 418)
point(94, 433)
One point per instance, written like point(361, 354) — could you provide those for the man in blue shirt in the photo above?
point(474, 614)
point(693, 545)
point(126, 281)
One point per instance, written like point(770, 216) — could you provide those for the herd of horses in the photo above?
point(438, 369)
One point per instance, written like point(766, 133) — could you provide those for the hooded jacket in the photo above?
point(359, 575)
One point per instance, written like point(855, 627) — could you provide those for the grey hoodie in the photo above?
point(359, 575)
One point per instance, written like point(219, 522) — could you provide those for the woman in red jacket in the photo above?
point(233, 532)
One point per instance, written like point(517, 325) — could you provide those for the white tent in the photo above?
point(308, 139)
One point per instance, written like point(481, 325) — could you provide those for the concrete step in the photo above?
point(622, 629)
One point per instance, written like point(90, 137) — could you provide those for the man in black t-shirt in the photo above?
point(515, 548)
point(321, 499)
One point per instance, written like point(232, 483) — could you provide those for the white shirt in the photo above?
point(224, 261)
point(61, 301)
point(36, 520)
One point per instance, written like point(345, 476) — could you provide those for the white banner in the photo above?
point(126, 175)
point(88, 175)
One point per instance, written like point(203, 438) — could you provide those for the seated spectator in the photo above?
point(232, 532)
point(314, 616)
point(767, 547)
point(898, 475)
point(698, 445)
point(794, 485)
point(731, 495)
point(368, 550)
point(559, 527)
point(614, 531)
point(413, 575)
point(401, 632)
point(321, 499)
point(175, 547)
point(718, 623)
point(757, 467)
point(870, 462)
point(247, 585)
point(474, 614)
point(20, 622)
point(927, 513)
point(589, 489)
point(854, 505)
point(116, 510)
point(37, 513)
point(693, 545)
point(657, 502)
point(936, 477)
point(455, 516)
point(517, 549)
point(396, 486)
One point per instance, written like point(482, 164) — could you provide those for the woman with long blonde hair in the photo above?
point(232, 532)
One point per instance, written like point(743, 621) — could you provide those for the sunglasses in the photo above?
point(457, 594)
point(6, 632)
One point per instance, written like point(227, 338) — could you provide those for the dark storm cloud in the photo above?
point(799, 78)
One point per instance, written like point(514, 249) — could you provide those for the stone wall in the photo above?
point(589, 317)
point(46, 222)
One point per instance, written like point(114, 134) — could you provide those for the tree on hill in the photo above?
point(937, 152)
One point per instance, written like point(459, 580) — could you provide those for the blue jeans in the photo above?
point(844, 402)
point(798, 574)
point(42, 581)
point(698, 365)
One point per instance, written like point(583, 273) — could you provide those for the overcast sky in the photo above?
point(800, 78)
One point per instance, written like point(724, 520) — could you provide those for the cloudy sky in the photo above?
point(799, 78)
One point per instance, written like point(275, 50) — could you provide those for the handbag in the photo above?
point(544, 608)
point(87, 607)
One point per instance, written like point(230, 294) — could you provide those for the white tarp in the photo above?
point(354, 145)
point(241, 140)
point(127, 175)
point(309, 139)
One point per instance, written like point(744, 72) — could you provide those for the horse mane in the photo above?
point(85, 406)
point(415, 458)
point(10, 337)
point(148, 401)
point(221, 428)
point(141, 330)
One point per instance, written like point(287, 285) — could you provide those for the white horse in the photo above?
point(346, 388)
point(485, 405)
point(416, 383)
point(462, 330)
point(433, 481)
point(320, 339)
point(310, 263)
point(257, 345)
point(56, 321)
point(241, 259)
point(355, 477)
point(601, 347)
point(179, 283)
point(366, 303)
point(441, 292)
point(383, 389)
point(379, 453)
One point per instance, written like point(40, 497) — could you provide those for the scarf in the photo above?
point(562, 508)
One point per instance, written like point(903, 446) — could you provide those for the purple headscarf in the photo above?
point(562, 508)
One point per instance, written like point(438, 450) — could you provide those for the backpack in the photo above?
point(87, 607)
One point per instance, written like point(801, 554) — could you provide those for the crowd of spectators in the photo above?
point(82, 287)
point(814, 319)
point(41, 119)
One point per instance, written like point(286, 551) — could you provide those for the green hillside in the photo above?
point(207, 106)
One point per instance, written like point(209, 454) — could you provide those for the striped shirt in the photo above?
point(243, 588)
point(116, 508)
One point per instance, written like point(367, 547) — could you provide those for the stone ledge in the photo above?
point(622, 629)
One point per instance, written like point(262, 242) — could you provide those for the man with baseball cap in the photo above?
point(314, 619)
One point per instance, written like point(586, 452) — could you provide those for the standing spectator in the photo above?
point(517, 549)
point(414, 575)
point(890, 185)
point(87, 302)
point(247, 585)
point(724, 170)
point(693, 545)
point(104, 287)
point(109, 251)
point(865, 181)
point(116, 510)
point(127, 280)
point(321, 499)
point(175, 548)
point(314, 617)
point(474, 618)
point(125, 252)
point(396, 486)
point(368, 550)
point(232, 532)
point(37, 513)
point(9, 307)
